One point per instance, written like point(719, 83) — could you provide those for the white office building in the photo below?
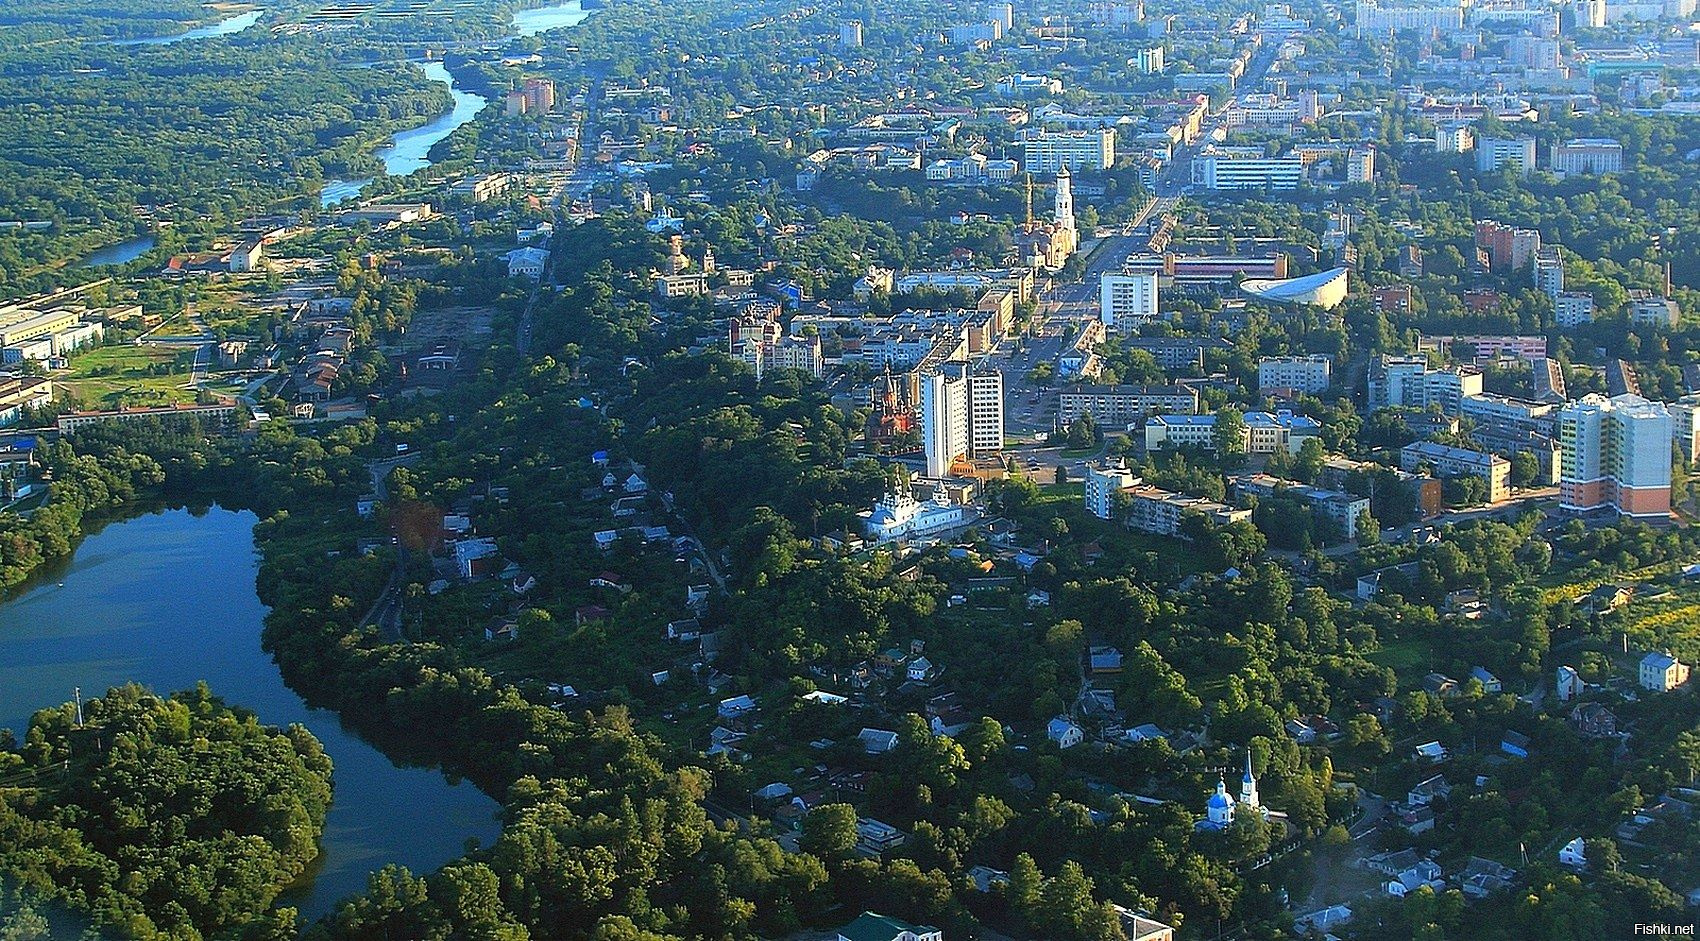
point(1125, 301)
point(1222, 169)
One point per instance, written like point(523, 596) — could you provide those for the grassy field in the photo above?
point(1669, 618)
point(120, 375)
point(1408, 658)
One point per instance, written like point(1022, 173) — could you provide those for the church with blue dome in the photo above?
point(1219, 810)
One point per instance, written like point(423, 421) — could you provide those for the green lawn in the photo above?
point(1409, 659)
point(111, 376)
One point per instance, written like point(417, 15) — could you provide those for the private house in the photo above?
point(1515, 744)
point(1660, 672)
point(920, 670)
point(1569, 683)
point(1424, 872)
point(1573, 854)
point(610, 580)
point(1439, 684)
point(1104, 661)
point(1431, 752)
point(1064, 732)
point(736, 706)
point(1428, 791)
point(1483, 877)
point(1490, 683)
point(1136, 926)
point(501, 629)
point(875, 837)
point(1592, 720)
point(590, 614)
point(869, 926)
point(877, 741)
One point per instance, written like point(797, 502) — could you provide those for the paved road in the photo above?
point(386, 611)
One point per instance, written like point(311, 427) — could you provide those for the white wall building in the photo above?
point(1050, 151)
point(1309, 374)
point(1125, 301)
point(961, 416)
point(1102, 485)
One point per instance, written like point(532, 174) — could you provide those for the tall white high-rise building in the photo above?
point(1616, 452)
point(961, 416)
point(1127, 300)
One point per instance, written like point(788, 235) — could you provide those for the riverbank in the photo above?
point(99, 619)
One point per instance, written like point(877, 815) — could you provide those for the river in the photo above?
point(167, 599)
point(226, 27)
point(410, 151)
point(544, 19)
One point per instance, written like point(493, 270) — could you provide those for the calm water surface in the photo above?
point(121, 253)
point(167, 599)
point(543, 19)
point(235, 24)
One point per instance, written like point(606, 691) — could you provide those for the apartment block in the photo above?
point(1125, 301)
point(961, 416)
point(1308, 374)
point(1494, 470)
point(1159, 511)
point(1121, 405)
point(1616, 452)
point(1516, 154)
point(1047, 152)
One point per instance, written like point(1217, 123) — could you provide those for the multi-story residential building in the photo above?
point(1615, 453)
point(1509, 249)
point(1488, 347)
point(1360, 165)
point(1661, 311)
point(1494, 470)
point(1488, 409)
point(1122, 405)
point(1045, 151)
point(1392, 298)
point(1516, 154)
point(1590, 155)
point(1180, 431)
point(1375, 18)
point(1342, 510)
point(1222, 168)
point(1102, 485)
point(1125, 301)
point(1453, 137)
point(1265, 433)
point(961, 416)
point(1308, 374)
point(850, 34)
point(1573, 308)
point(1549, 271)
point(1175, 353)
point(1154, 510)
point(1410, 382)
point(1150, 60)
